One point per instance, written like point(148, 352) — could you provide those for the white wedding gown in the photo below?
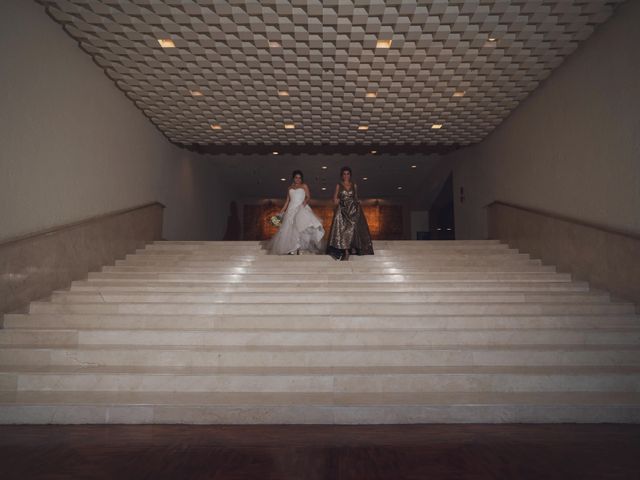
point(300, 228)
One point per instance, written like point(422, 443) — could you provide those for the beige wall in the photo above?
point(573, 147)
point(73, 146)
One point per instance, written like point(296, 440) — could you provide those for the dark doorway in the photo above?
point(441, 220)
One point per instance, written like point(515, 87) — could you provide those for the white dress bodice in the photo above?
point(296, 197)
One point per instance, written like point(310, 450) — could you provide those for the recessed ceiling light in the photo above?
point(374, 151)
point(216, 126)
point(275, 153)
point(274, 44)
point(289, 126)
point(365, 178)
point(436, 126)
point(461, 93)
point(196, 93)
point(414, 166)
point(323, 188)
point(324, 167)
point(283, 179)
point(363, 127)
point(283, 93)
point(492, 39)
point(372, 94)
point(166, 43)
point(399, 188)
point(383, 44)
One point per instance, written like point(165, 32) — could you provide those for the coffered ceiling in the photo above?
point(330, 75)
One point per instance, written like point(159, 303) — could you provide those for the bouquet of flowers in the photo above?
point(275, 220)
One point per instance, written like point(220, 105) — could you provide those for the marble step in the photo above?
point(399, 245)
point(351, 278)
point(335, 268)
point(40, 407)
point(273, 262)
point(329, 308)
point(384, 253)
point(292, 297)
point(300, 287)
point(345, 380)
point(295, 322)
point(375, 242)
point(318, 337)
point(382, 256)
point(322, 356)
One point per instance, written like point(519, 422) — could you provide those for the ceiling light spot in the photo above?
point(324, 167)
point(365, 178)
point(283, 93)
point(363, 127)
point(399, 187)
point(492, 39)
point(283, 179)
point(196, 93)
point(461, 93)
point(383, 44)
point(372, 94)
point(414, 166)
point(275, 153)
point(323, 188)
point(289, 126)
point(166, 43)
point(274, 44)
point(374, 152)
point(216, 126)
point(436, 126)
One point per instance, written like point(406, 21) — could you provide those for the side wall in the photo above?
point(72, 146)
point(573, 147)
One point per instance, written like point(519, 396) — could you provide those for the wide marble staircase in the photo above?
point(220, 332)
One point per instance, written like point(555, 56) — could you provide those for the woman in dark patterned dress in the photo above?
point(349, 230)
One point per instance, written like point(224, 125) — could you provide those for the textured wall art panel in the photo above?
point(385, 221)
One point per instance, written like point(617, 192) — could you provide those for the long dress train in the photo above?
point(300, 228)
point(349, 229)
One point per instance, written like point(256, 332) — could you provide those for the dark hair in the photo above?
point(346, 169)
point(297, 172)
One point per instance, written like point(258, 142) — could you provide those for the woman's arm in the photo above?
point(307, 195)
point(336, 201)
point(286, 204)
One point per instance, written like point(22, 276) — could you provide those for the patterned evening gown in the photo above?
point(300, 229)
point(349, 230)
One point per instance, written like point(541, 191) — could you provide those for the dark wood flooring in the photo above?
point(478, 452)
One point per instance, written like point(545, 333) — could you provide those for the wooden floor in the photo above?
point(540, 452)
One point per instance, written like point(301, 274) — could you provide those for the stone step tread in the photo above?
point(340, 370)
point(606, 330)
point(293, 297)
point(331, 269)
point(381, 277)
point(313, 322)
point(385, 256)
point(318, 398)
point(212, 337)
point(330, 381)
point(449, 284)
point(285, 349)
point(302, 288)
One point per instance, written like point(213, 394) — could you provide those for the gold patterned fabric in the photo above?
point(349, 229)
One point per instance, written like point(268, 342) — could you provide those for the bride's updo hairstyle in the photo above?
point(297, 172)
point(346, 169)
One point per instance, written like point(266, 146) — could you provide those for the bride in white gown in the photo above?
point(300, 228)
